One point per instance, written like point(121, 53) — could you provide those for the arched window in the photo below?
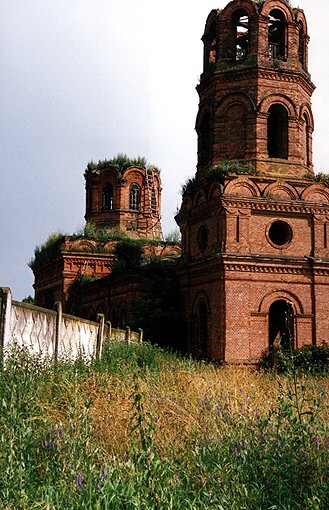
point(89, 199)
point(204, 140)
point(134, 197)
point(107, 197)
point(307, 155)
point(280, 324)
point(210, 46)
point(240, 22)
point(235, 132)
point(302, 45)
point(277, 35)
point(277, 132)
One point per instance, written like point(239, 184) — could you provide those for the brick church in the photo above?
point(254, 264)
point(254, 221)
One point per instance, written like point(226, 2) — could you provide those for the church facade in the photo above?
point(254, 270)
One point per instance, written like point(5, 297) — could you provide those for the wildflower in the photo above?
point(176, 478)
point(104, 472)
point(315, 440)
point(303, 454)
point(79, 480)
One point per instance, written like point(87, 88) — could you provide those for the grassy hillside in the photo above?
point(144, 429)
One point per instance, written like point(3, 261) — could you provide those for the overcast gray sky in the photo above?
point(86, 79)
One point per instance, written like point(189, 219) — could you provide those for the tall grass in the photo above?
point(145, 429)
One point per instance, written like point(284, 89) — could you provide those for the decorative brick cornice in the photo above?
point(273, 206)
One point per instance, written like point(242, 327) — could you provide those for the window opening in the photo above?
point(281, 324)
point(241, 34)
point(302, 45)
point(277, 132)
point(205, 141)
point(210, 46)
point(277, 35)
point(202, 238)
point(280, 233)
point(306, 141)
point(107, 199)
point(134, 197)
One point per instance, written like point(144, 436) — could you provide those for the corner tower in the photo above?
point(254, 219)
point(124, 194)
point(255, 89)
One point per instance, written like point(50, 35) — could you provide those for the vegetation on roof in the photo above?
point(121, 162)
point(55, 244)
point(319, 177)
point(48, 251)
point(219, 171)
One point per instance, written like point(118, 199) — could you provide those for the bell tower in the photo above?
point(254, 219)
point(255, 89)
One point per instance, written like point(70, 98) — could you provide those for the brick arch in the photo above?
point(277, 295)
point(83, 244)
point(200, 297)
point(300, 18)
point(242, 186)
point(280, 5)
point(231, 113)
point(216, 190)
point(281, 99)
point(187, 203)
point(212, 18)
point(305, 109)
point(206, 111)
point(235, 98)
point(247, 5)
point(316, 193)
point(281, 190)
point(200, 197)
point(132, 172)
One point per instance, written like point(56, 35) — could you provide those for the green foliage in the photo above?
point(48, 251)
point(53, 454)
point(128, 254)
point(308, 359)
point(173, 238)
point(121, 162)
point(160, 312)
point(231, 167)
point(319, 177)
point(189, 186)
point(29, 300)
point(218, 172)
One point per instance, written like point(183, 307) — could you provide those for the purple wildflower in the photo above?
point(315, 440)
point(79, 480)
point(104, 472)
point(303, 454)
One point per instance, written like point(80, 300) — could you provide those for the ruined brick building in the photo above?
point(254, 268)
point(122, 201)
point(254, 221)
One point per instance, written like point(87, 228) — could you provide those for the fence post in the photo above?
point(141, 333)
point(100, 335)
point(128, 334)
point(5, 314)
point(59, 310)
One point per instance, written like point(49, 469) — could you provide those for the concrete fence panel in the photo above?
point(52, 333)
